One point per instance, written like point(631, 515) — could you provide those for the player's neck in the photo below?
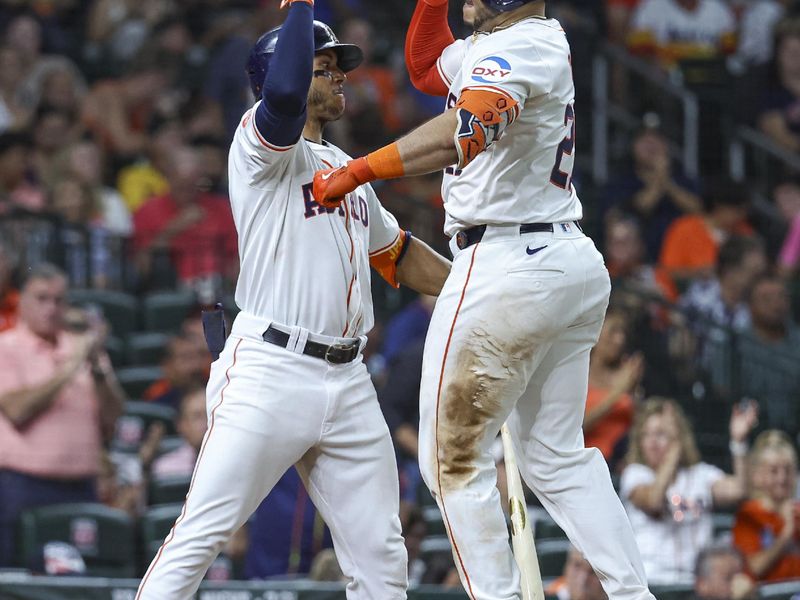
point(313, 130)
point(507, 19)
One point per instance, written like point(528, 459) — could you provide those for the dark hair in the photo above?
point(733, 252)
point(43, 271)
point(205, 140)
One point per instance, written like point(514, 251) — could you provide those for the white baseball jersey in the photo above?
point(526, 176)
point(449, 63)
point(301, 264)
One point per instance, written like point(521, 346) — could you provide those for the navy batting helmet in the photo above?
point(349, 56)
point(506, 5)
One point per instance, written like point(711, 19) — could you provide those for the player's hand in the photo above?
point(331, 185)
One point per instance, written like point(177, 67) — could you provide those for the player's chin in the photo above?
point(337, 105)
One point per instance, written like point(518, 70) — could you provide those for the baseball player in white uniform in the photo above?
point(525, 301)
point(290, 386)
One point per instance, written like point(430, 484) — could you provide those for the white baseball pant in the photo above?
point(269, 408)
point(509, 339)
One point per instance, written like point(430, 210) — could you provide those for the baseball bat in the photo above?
point(521, 534)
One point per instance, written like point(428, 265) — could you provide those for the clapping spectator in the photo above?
point(669, 492)
point(655, 192)
point(767, 528)
point(614, 377)
point(780, 114)
point(59, 399)
point(720, 575)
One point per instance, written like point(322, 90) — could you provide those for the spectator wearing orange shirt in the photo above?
point(9, 296)
point(767, 527)
point(613, 379)
point(692, 242)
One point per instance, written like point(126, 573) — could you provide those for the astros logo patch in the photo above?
point(492, 69)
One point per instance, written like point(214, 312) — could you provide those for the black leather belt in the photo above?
point(467, 237)
point(337, 354)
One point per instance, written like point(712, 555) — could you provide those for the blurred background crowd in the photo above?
point(115, 230)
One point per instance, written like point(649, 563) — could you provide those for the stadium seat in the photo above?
point(155, 525)
point(146, 349)
point(118, 308)
point(169, 490)
point(116, 351)
point(135, 380)
point(434, 546)
point(104, 536)
point(552, 557)
point(672, 592)
point(545, 528)
point(133, 424)
point(723, 523)
point(164, 312)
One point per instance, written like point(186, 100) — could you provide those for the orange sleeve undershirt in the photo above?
point(428, 35)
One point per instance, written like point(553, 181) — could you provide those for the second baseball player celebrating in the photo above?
point(290, 386)
point(525, 301)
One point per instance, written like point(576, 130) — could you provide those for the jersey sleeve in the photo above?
point(387, 242)
point(449, 63)
point(254, 158)
point(514, 67)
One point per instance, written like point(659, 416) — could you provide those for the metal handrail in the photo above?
point(746, 137)
point(605, 110)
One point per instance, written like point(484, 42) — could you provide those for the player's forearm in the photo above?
point(430, 147)
point(422, 269)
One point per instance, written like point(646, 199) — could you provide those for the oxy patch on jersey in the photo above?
point(492, 69)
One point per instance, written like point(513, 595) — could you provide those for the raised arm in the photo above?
point(281, 115)
point(428, 36)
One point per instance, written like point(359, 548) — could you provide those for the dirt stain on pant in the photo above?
point(472, 397)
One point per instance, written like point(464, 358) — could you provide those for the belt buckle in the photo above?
point(334, 347)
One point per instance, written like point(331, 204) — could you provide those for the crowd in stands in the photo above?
point(115, 117)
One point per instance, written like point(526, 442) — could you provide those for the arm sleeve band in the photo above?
point(385, 260)
point(482, 118)
point(427, 37)
point(282, 114)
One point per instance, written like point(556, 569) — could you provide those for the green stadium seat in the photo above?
point(146, 349)
point(135, 380)
point(155, 525)
point(164, 312)
point(672, 592)
point(133, 424)
point(116, 351)
point(105, 537)
point(723, 523)
point(433, 546)
point(552, 557)
point(168, 490)
point(119, 309)
point(545, 528)
point(424, 497)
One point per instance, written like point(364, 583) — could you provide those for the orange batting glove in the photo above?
point(331, 185)
point(285, 3)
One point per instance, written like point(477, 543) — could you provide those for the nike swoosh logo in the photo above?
point(326, 176)
point(533, 251)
